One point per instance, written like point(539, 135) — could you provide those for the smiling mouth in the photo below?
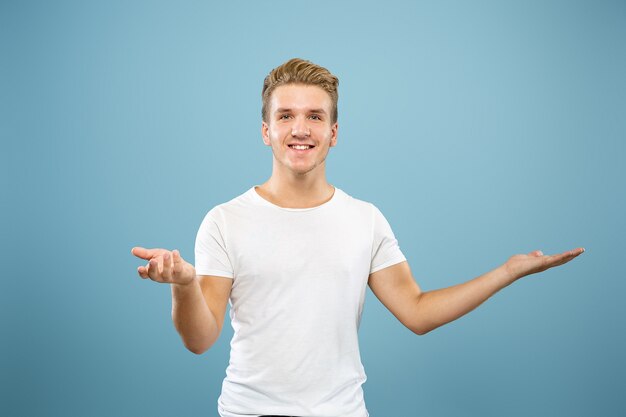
point(301, 147)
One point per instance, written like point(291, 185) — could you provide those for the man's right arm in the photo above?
point(198, 310)
point(198, 301)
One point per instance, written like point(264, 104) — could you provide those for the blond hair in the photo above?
point(300, 71)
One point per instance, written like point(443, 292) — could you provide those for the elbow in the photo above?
point(196, 341)
point(199, 346)
point(197, 349)
point(420, 331)
point(416, 323)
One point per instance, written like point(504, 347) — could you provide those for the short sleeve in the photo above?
point(210, 250)
point(385, 248)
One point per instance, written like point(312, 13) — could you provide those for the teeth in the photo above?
point(301, 147)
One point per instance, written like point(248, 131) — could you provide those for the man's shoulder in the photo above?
point(242, 201)
point(368, 209)
point(245, 198)
point(355, 202)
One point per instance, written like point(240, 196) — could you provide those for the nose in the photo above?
point(300, 128)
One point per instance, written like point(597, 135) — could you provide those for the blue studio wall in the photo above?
point(481, 129)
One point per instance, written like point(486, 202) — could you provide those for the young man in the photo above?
point(294, 256)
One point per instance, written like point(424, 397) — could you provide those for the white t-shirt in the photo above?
point(299, 280)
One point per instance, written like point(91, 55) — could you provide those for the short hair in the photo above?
point(300, 71)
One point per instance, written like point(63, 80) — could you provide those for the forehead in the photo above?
point(300, 97)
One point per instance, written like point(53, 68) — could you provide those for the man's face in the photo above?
point(299, 127)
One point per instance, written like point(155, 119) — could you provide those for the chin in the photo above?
point(303, 170)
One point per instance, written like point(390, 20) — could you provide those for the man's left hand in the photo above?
point(521, 265)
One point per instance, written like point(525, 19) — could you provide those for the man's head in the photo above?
point(299, 117)
point(299, 71)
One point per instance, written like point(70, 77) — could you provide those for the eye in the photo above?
point(316, 117)
point(284, 116)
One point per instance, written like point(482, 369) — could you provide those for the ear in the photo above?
point(333, 138)
point(265, 133)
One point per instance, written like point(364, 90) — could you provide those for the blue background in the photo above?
point(481, 130)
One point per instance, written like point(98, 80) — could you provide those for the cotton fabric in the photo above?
point(299, 281)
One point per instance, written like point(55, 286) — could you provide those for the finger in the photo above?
point(154, 270)
point(579, 251)
point(143, 272)
point(562, 258)
point(166, 274)
point(574, 252)
point(144, 253)
point(571, 253)
point(178, 262)
point(536, 253)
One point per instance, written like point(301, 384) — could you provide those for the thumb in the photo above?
point(536, 253)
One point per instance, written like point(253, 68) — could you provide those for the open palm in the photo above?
point(164, 266)
point(533, 262)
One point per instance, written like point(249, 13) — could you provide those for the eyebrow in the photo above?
point(286, 110)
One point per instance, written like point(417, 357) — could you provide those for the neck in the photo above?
point(296, 191)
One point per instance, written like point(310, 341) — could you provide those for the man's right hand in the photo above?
point(164, 266)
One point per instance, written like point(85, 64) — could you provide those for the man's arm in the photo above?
point(198, 311)
point(422, 312)
point(198, 302)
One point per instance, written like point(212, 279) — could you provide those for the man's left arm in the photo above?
point(424, 311)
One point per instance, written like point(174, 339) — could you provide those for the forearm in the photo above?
point(438, 307)
point(192, 318)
